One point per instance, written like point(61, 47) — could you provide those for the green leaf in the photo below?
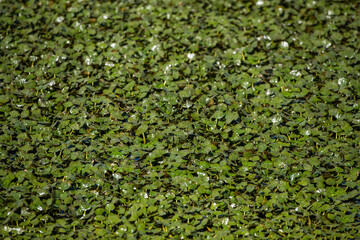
point(113, 219)
point(349, 195)
point(4, 98)
point(142, 129)
point(100, 232)
point(231, 116)
point(110, 207)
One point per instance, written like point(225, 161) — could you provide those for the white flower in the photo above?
point(116, 175)
point(191, 56)
point(156, 47)
point(225, 221)
point(326, 43)
point(295, 73)
point(167, 68)
point(109, 64)
point(20, 79)
point(88, 60)
point(220, 65)
point(59, 19)
point(342, 82)
point(259, 3)
point(144, 195)
point(51, 83)
point(284, 44)
point(276, 119)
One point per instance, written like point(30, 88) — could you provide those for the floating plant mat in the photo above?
point(179, 119)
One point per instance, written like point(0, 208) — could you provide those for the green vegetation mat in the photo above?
point(179, 119)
